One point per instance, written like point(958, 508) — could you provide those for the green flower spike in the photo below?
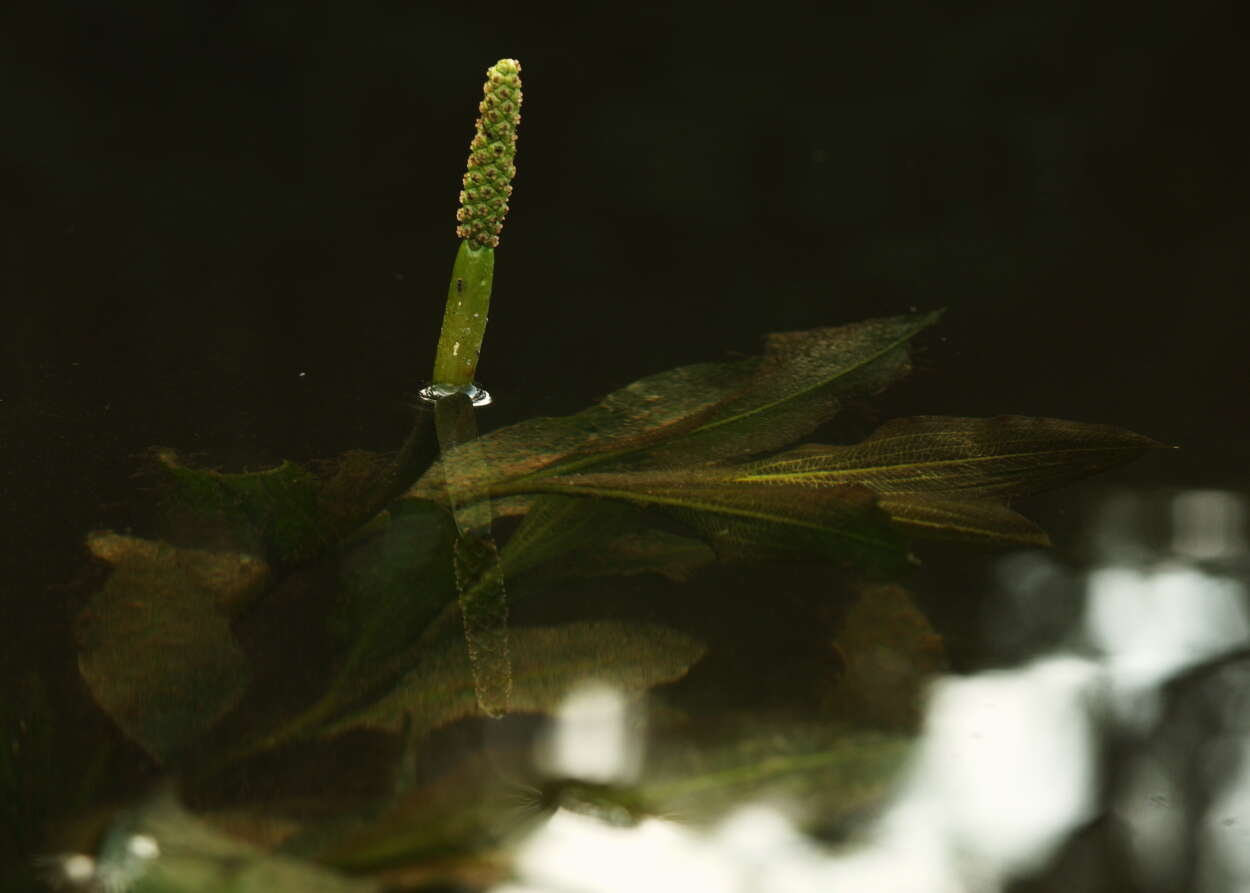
point(483, 206)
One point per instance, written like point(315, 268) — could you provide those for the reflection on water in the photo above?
point(1132, 732)
point(1114, 757)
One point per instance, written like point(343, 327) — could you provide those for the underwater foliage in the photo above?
point(350, 613)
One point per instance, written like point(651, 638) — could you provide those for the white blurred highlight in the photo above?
point(1152, 624)
point(595, 737)
point(1006, 768)
point(1208, 524)
point(1005, 771)
point(1003, 774)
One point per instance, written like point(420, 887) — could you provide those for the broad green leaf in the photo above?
point(748, 519)
point(970, 458)
point(155, 645)
point(547, 662)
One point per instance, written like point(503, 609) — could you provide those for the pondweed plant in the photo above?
point(333, 617)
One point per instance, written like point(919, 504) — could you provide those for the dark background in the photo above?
point(229, 226)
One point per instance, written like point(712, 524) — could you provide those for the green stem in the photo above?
point(464, 320)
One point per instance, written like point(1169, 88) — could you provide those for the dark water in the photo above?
point(229, 234)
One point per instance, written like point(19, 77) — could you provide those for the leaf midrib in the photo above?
point(833, 473)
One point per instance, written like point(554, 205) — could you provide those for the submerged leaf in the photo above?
point(162, 848)
point(155, 645)
point(557, 524)
point(744, 519)
point(970, 520)
point(653, 551)
point(972, 458)
point(831, 774)
point(287, 513)
point(801, 383)
point(547, 663)
point(889, 652)
point(393, 584)
point(273, 512)
point(632, 418)
point(942, 475)
point(702, 413)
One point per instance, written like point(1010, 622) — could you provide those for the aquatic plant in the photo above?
point(364, 599)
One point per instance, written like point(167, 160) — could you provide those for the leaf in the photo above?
point(972, 458)
point(702, 413)
point(800, 384)
point(449, 833)
point(272, 513)
point(286, 513)
point(670, 555)
point(889, 653)
point(393, 585)
point(629, 419)
point(831, 774)
point(980, 521)
point(547, 662)
point(556, 525)
point(942, 476)
point(191, 856)
point(747, 519)
point(155, 645)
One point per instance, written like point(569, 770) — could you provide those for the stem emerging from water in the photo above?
point(483, 205)
point(464, 321)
